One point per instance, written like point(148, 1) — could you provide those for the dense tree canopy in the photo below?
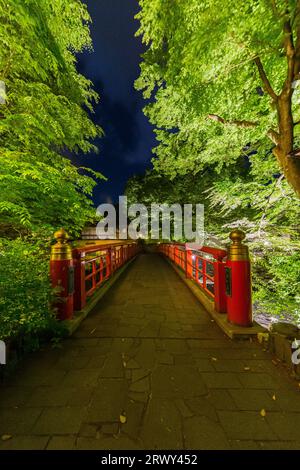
point(46, 115)
point(221, 80)
point(45, 118)
point(224, 76)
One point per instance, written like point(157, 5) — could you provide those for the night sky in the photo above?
point(113, 67)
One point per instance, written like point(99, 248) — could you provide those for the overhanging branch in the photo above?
point(290, 53)
point(266, 83)
point(275, 9)
point(297, 44)
point(274, 136)
point(245, 124)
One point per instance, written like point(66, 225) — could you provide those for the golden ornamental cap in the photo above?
point(237, 251)
point(61, 250)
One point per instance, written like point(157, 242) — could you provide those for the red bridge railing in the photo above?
point(224, 275)
point(80, 271)
point(94, 264)
point(205, 267)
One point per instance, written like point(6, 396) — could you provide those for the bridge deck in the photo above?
point(151, 354)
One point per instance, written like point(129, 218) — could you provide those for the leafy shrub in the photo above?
point(25, 293)
point(276, 280)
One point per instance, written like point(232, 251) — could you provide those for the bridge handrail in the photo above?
point(110, 257)
point(226, 279)
point(90, 247)
point(79, 271)
point(218, 253)
point(205, 272)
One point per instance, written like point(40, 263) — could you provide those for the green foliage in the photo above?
point(25, 291)
point(200, 62)
point(279, 291)
point(212, 113)
point(268, 214)
point(46, 117)
point(45, 121)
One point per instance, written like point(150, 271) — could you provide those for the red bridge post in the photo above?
point(238, 281)
point(189, 264)
point(220, 294)
point(62, 274)
point(80, 293)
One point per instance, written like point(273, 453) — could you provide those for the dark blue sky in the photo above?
point(113, 67)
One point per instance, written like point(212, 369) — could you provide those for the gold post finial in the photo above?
point(237, 251)
point(237, 236)
point(61, 236)
point(61, 250)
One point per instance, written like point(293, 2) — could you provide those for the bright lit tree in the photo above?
point(223, 75)
point(222, 85)
point(45, 120)
point(46, 115)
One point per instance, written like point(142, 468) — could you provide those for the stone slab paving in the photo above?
point(149, 369)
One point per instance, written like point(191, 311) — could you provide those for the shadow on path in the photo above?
point(150, 353)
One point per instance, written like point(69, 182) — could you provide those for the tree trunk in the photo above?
point(289, 163)
point(290, 167)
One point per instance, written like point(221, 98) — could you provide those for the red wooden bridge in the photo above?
point(147, 365)
point(222, 276)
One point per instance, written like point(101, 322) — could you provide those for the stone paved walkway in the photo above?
point(149, 352)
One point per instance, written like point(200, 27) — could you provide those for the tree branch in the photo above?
point(289, 51)
point(297, 44)
point(274, 8)
point(274, 136)
point(245, 124)
point(266, 83)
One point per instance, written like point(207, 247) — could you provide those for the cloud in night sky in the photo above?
point(113, 67)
